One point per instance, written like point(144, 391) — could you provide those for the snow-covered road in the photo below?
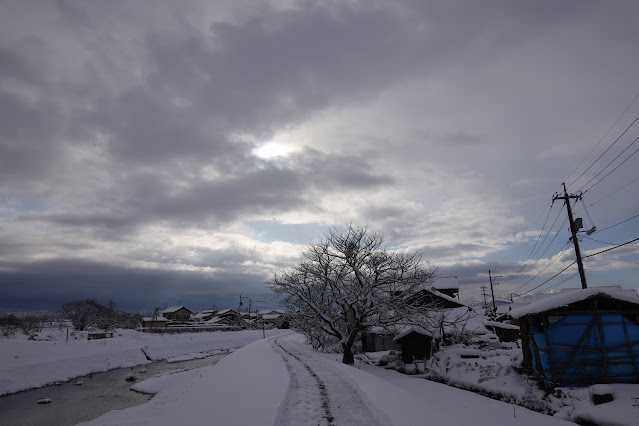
point(318, 393)
point(282, 381)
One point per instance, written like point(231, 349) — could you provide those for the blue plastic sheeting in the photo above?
point(586, 363)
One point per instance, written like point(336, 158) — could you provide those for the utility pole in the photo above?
point(483, 292)
point(239, 312)
point(573, 230)
point(492, 292)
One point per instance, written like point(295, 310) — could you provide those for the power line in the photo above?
point(553, 260)
point(560, 282)
point(612, 248)
point(616, 224)
point(604, 242)
point(542, 243)
point(603, 153)
point(551, 278)
point(599, 241)
point(619, 165)
point(538, 236)
point(601, 140)
point(614, 192)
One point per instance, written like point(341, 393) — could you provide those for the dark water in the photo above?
point(98, 394)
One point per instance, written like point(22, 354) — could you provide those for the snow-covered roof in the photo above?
point(500, 325)
point(217, 320)
point(445, 283)
point(271, 316)
point(158, 318)
point(226, 311)
point(412, 329)
point(271, 311)
point(569, 296)
point(172, 309)
point(441, 295)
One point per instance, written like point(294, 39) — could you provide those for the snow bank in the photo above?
point(26, 364)
point(244, 388)
point(407, 400)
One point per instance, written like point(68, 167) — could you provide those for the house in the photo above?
point(416, 343)
point(229, 315)
point(443, 309)
point(157, 321)
point(278, 320)
point(204, 315)
point(427, 295)
point(447, 285)
point(581, 336)
point(271, 312)
point(220, 321)
point(177, 313)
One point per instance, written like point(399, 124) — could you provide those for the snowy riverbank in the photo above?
point(251, 385)
point(27, 364)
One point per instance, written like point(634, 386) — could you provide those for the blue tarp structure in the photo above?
point(593, 348)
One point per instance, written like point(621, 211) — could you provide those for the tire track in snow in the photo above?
point(307, 399)
point(340, 398)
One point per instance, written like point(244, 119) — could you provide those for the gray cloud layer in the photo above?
point(129, 134)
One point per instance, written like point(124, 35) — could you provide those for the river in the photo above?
point(97, 394)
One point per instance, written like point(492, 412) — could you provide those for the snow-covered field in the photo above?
point(277, 380)
point(26, 364)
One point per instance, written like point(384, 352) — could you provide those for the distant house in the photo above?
point(430, 296)
point(177, 313)
point(582, 336)
point(220, 321)
point(278, 320)
point(204, 315)
point(447, 285)
point(157, 321)
point(229, 315)
point(271, 312)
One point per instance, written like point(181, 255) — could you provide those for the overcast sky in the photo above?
point(181, 152)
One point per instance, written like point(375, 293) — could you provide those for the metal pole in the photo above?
point(573, 231)
point(492, 292)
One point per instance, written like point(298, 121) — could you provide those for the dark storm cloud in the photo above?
point(49, 284)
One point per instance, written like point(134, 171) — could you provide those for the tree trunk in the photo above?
point(348, 357)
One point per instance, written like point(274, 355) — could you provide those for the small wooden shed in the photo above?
point(416, 343)
point(505, 332)
point(379, 339)
point(579, 337)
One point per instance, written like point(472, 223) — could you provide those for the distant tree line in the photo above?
point(27, 324)
point(81, 313)
point(89, 313)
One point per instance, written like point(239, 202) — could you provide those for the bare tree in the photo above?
point(88, 312)
point(9, 325)
point(348, 282)
point(81, 313)
point(30, 324)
